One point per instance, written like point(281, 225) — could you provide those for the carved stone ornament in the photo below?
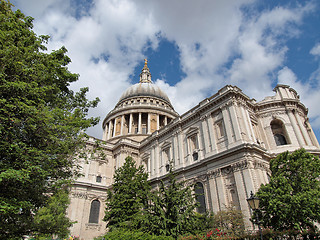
point(80, 195)
point(201, 178)
point(260, 165)
point(226, 170)
point(240, 165)
point(93, 226)
point(214, 174)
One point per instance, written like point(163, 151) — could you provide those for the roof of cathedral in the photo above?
point(145, 87)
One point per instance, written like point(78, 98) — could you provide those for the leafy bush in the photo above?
point(120, 234)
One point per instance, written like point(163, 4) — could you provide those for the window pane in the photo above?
point(94, 211)
point(198, 188)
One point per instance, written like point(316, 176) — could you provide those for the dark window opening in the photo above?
point(98, 179)
point(280, 139)
point(195, 156)
point(279, 132)
point(167, 167)
point(94, 211)
point(200, 198)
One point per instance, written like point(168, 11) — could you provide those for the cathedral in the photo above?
point(223, 145)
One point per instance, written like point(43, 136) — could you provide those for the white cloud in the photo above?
point(218, 45)
point(316, 50)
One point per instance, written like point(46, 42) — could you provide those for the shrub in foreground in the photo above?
point(120, 234)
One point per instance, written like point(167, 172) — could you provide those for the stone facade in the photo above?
point(223, 145)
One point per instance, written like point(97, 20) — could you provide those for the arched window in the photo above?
point(94, 211)
point(279, 132)
point(200, 198)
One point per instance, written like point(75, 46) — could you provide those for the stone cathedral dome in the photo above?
point(144, 89)
point(141, 110)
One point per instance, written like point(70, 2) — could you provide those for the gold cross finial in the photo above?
point(145, 62)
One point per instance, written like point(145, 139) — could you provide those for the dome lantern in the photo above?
point(145, 75)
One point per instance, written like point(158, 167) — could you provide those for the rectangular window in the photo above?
point(98, 179)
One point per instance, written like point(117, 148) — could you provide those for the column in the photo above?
point(109, 130)
point(139, 123)
point(165, 120)
point(149, 167)
point(156, 158)
point(152, 167)
point(122, 122)
point(303, 129)
point(149, 124)
point(158, 121)
point(204, 130)
point(114, 127)
point(180, 147)
point(211, 134)
point(254, 137)
point(215, 205)
point(235, 122)
point(243, 195)
point(130, 123)
point(227, 124)
point(200, 143)
point(295, 128)
point(176, 149)
point(221, 192)
point(313, 136)
point(247, 124)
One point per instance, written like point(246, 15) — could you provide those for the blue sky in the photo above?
point(193, 47)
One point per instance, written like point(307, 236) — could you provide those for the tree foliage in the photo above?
point(41, 121)
point(291, 200)
point(172, 208)
point(129, 195)
point(51, 219)
point(230, 221)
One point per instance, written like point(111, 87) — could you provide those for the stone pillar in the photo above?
point(204, 130)
point(215, 205)
point(109, 130)
point(139, 123)
point(212, 137)
point(186, 150)
point(165, 120)
point(254, 137)
point(303, 129)
point(221, 191)
point(149, 167)
point(295, 128)
point(201, 148)
point(149, 124)
point(312, 135)
point(180, 148)
point(242, 195)
point(156, 158)
point(227, 124)
point(247, 124)
point(122, 123)
point(130, 123)
point(235, 122)
point(152, 161)
point(175, 148)
point(158, 121)
point(114, 127)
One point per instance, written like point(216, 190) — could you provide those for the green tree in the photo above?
point(172, 208)
point(291, 200)
point(41, 122)
point(129, 196)
point(51, 219)
point(230, 221)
